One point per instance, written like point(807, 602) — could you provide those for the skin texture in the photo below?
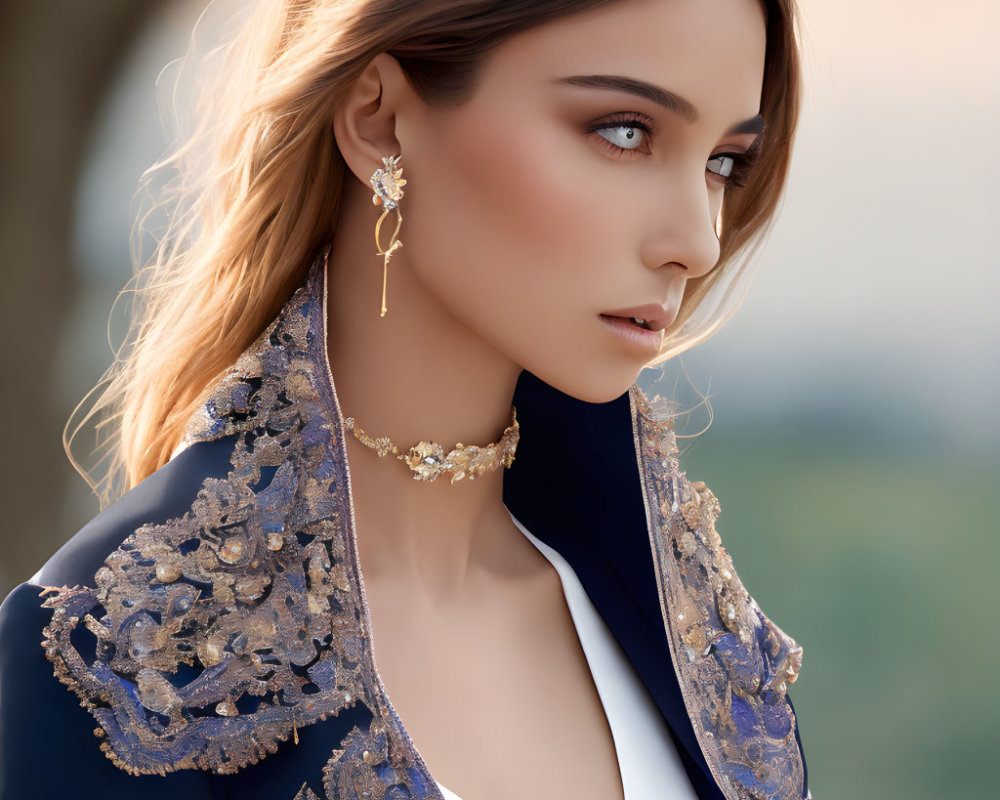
point(519, 228)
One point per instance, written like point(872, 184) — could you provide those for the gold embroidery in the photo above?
point(732, 662)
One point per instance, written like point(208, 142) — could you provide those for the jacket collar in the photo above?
point(225, 631)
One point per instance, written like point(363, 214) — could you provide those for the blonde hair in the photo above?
point(257, 189)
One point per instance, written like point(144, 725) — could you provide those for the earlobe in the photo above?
point(364, 124)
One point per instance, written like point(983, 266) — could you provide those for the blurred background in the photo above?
point(855, 445)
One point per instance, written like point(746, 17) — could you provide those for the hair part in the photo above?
point(256, 190)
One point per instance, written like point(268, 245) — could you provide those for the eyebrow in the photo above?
point(662, 97)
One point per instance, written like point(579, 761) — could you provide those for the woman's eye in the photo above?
point(722, 164)
point(627, 137)
point(624, 136)
point(734, 168)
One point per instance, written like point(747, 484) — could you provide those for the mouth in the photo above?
point(648, 316)
point(634, 331)
point(637, 322)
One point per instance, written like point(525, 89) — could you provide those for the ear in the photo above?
point(365, 124)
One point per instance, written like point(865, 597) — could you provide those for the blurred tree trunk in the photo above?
point(57, 57)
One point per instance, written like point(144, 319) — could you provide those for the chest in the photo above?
point(494, 680)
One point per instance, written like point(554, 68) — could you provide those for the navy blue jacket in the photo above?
point(204, 636)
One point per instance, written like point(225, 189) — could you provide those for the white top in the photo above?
point(648, 761)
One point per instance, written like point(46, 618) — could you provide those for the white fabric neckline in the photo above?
point(648, 761)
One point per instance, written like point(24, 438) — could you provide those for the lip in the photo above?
point(648, 340)
point(657, 317)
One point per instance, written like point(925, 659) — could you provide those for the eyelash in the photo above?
point(742, 162)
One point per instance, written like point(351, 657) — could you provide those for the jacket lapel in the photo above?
point(575, 485)
point(733, 664)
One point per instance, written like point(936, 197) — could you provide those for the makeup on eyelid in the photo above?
point(742, 165)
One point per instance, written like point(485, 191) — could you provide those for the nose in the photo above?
point(683, 228)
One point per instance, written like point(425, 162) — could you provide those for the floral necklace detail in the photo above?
point(427, 460)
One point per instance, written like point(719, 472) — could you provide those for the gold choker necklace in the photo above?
point(428, 460)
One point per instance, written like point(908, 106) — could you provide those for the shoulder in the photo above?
point(194, 619)
point(127, 607)
point(212, 612)
point(167, 493)
point(41, 723)
point(48, 746)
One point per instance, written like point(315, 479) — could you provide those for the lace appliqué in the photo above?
point(733, 663)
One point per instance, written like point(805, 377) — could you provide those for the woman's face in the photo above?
point(584, 177)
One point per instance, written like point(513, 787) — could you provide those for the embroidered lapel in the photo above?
point(732, 662)
point(214, 637)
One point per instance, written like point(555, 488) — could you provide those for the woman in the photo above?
point(550, 609)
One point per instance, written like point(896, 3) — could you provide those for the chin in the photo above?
point(592, 384)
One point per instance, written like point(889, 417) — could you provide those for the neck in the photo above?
point(417, 373)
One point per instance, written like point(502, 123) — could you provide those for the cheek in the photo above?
point(518, 233)
point(501, 215)
point(524, 185)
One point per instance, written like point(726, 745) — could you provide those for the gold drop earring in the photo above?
point(388, 183)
